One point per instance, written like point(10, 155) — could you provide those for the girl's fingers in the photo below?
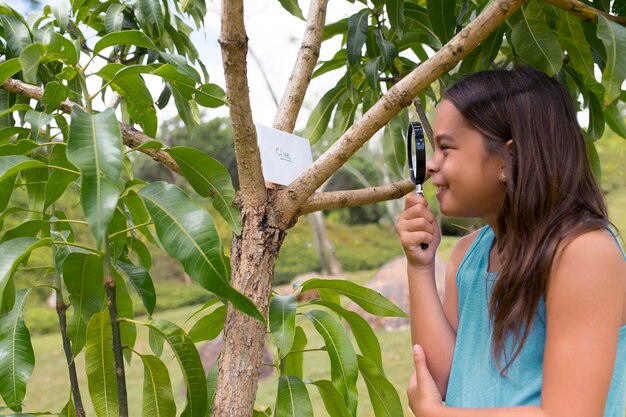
point(412, 199)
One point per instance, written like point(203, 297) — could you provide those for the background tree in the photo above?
point(391, 51)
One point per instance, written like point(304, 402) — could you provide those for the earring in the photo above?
point(502, 177)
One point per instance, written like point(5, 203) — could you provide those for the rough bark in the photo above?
point(305, 63)
point(234, 43)
point(584, 11)
point(252, 261)
point(291, 199)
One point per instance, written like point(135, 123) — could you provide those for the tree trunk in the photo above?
point(325, 250)
point(252, 260)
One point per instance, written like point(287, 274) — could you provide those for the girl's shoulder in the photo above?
point(462, 246)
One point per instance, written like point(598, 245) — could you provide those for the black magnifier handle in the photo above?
point(416, 148)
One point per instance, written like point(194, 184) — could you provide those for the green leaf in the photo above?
point(36, 180)
point(128, 330)
point(283, 321)
point(613, 37)
point(12, 164)
point(320, 116)
point(209, 178)
point(17, 34)
point(9, 68)
point(384, 397)
point(100, 366)
point(126, 37)
point(60, 178)
point(151, 17)
point(442, 19)
point(292, 399)
point(22, 147)
point(83, 278)
point(187, 233)
point(62, 15)
point(343, 362)
point(363, 334)
point(333, 401)
point(6, 190)
point(158, 397)
point(95, 147)
point(117, 241)
point(208, 95)
point(368, 299)
point(294, 360)
point(209, 326)
point(187, 110)
point(59, 48)
point(138, 214)
point(292, 7)
point(594, 160)
point(394, 146)
point(141, 280)
point(572, 39)
point(38, 123)
point(190, 363)
point(387, 49)
point(615, 120)
point(211, 384)
point(596, 118)
point(30, 57)
point(29, 228)
point(395, 12)
point(114, 20)
point(357, 33)
point(54, 94)
point(418, 16)
point(133, 89)
point(17, 360)
point(535, 42)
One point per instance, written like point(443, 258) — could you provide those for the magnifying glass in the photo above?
point(416, 151)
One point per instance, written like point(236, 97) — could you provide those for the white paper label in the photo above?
point(284, 156)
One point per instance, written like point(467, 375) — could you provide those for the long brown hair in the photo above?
point(551, 193)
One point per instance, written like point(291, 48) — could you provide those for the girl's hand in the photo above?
point(424, 397)
point(417, 225)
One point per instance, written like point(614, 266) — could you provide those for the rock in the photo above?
point(391, 281)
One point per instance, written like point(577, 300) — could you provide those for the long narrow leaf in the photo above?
point(292, 398)
point(343, 361)
point(188, 234)
point(363, 334)
point(357, 33)
point(189, 360)
point(95, 147)
point(283, 321)
point(368, 299)
point(158, 397)
point(209, 178)
point(82, 274)
point(613, 37)
point(383, 395)
point(13, 251)
point(100, 366)
point(17, 359)
point(294, 361)
point(126, 37)
point(209, 326)
point(333, 401)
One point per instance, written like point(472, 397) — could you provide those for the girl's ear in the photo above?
point(507, 162)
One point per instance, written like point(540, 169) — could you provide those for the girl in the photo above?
point(533, 322)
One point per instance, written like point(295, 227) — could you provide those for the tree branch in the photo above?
point(300, 78)
point(234, 43)
point(355, 198)
point(399, 96)
point(132, 137)
point(584, 11)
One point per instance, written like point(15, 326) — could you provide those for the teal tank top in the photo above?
point(475, 381)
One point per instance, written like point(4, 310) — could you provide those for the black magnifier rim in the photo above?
point(415, 143)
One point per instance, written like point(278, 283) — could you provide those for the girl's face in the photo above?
point(469, 183)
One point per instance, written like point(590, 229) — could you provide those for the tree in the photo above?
point(46, 61)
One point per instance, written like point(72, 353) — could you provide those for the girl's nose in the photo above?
point(432, 166)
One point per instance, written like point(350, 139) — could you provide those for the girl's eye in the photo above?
point(443, 149)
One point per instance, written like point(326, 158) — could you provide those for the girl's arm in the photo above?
point(432, 325)
point(586, 306)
